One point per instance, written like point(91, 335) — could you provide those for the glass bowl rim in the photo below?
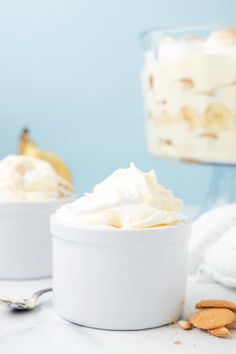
point(185, 27)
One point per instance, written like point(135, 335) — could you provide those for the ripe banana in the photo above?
point(29, 148)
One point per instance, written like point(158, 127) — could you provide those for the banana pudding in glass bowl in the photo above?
point(189, 89)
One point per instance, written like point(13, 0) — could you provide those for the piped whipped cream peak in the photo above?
point(173, 49)
point(221, 43)
point(24, 178)
point(217, 43)
point(128, 198)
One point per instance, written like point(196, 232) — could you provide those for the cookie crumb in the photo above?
point(177, 342)
point(185, 324)
point(219, 332)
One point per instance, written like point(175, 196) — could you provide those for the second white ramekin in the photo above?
point(119, 279)
point(25, 239)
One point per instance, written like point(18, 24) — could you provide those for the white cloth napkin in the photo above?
point(212, 247)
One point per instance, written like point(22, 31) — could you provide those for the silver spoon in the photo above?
point(24, 304)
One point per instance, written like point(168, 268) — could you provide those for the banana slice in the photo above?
point(218, 117)
point(190, 116)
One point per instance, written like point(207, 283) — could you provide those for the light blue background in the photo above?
point(70, 71)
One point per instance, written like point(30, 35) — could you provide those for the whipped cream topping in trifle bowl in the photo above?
point(189, 89)
point(121, 250)
point(30, 191)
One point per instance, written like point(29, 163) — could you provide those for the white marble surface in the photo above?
point(42, 331)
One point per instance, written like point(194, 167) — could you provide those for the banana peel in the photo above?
point(29, 148)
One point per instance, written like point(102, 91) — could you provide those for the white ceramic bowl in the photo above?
point(119, 279)
point(25, 239)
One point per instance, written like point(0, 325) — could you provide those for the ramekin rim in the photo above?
point(37, 202)
point(185, 26)
point(54, 219)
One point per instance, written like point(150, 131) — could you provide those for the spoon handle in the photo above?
point(41, 292)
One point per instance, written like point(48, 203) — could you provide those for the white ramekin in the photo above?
point(25, 239)
point(119, 279)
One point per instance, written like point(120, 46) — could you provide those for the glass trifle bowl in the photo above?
point(189, 90)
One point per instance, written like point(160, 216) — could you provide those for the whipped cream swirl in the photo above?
point(128, 198)
point(24, 178)
point(222, 43)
